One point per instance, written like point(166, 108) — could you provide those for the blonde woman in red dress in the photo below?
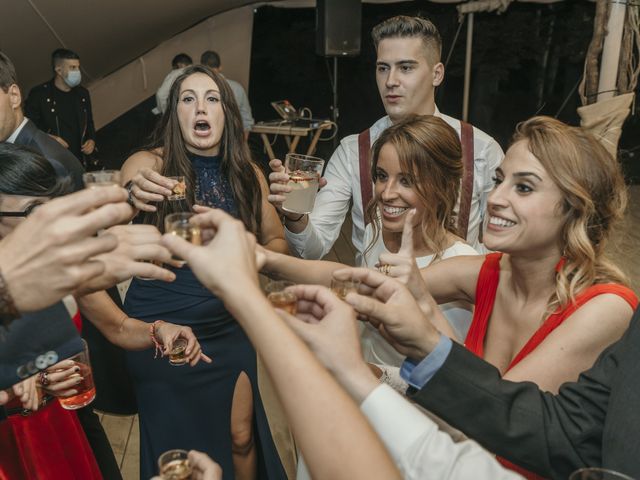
point(550, 301)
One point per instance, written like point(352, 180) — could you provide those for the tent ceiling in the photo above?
point(106, 33)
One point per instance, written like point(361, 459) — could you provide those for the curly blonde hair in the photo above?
point(595, 198)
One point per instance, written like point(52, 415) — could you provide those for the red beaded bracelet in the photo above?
point(154, 339)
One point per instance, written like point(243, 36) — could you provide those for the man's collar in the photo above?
point(16, 132)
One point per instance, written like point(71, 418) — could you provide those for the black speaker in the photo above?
point(338, 27)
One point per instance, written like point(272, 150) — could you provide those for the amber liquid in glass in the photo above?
point(176, 470)
point(86, 390)
point(177, 355)
point(284, 300)
point(189, 233)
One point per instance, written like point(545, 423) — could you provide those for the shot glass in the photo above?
point(280, 298)
point(180, 190)
point(598, 474)
point(177, 356)
point(304, 177)
point(86, 388)
point(101, 178)
point(178, 224)
point(342, 287)
point(174, 465)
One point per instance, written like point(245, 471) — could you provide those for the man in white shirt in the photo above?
point(408, 69)
point(211, 59)
point(178, 64)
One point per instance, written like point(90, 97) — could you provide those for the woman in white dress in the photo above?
point(416, 169)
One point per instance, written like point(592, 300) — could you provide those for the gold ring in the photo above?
point(384, 269)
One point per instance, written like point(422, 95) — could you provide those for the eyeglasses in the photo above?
point(25, 213)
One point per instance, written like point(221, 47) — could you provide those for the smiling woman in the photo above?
point(551, 301)
point(217, 409)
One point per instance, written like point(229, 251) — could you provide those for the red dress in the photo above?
point(486, 289)
point(49, 444)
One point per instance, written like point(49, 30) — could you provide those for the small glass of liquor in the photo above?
point(180, 190)
point(280, 297)
point(342, 287)
point(174, 465)
point(101, 178)
point(178, 224)
point(177, 356)
point(86, 388)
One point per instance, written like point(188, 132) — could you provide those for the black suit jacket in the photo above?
point(36, 341)
point(592, 422)
point(64, 162)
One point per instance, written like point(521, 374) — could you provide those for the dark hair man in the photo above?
point(408, 70)
point(61, 107)
point(178, 64)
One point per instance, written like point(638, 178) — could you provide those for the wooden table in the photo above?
point(292, 135)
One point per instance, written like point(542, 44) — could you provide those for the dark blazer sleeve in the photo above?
point(33, 106)
point(549, 434)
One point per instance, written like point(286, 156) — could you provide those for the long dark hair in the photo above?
point(236, 163)
point(25, 172)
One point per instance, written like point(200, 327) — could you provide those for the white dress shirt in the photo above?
point(343, 184)
point(419, 449)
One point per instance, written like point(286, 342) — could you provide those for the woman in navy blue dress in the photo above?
point(213, 408)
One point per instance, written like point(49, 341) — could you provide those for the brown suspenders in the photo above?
point(466, 188)
point(366, 184)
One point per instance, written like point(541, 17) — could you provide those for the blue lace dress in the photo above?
point(185, 407)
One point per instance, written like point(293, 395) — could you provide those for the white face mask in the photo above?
point(73, 78)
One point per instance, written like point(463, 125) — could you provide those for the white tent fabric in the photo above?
point(126, 47)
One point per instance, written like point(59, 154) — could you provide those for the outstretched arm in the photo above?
point(326, 422)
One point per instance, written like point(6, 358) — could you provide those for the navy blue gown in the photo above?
point(190, 407)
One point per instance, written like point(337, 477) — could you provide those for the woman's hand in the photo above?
point(27, 392)
point(167, 333)
point(147, 185)
point(402, 265)
point(60, 379)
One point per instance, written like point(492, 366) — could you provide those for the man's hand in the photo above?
point(278, 186)
point(88, 147)
point(228, 262)
point(328, 327)
point(138, 246)
point(51, 253)
point(60, 140)
point(389, 306)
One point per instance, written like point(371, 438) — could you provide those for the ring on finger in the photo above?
point(44, 379)
point(384, 269)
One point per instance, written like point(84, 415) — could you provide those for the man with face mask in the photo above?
point(61, 107)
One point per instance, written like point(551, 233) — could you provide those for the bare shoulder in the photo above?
point(608, 310)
